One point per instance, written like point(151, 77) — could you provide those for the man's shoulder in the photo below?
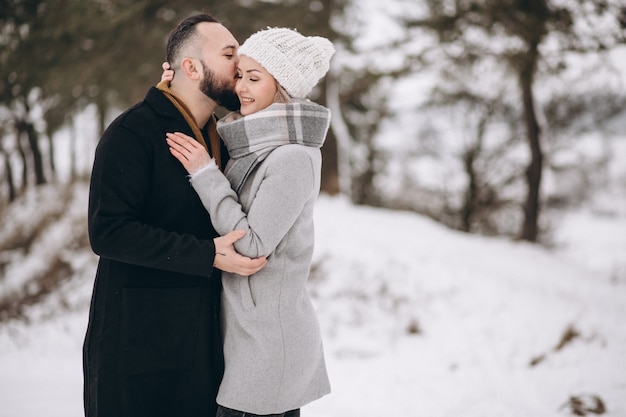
point(139, 120)
point(154, 105)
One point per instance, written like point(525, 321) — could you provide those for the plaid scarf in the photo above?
point(250, 139)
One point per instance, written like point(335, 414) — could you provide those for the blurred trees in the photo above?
point(483, 46)
point(493, 109)
point(59, 56)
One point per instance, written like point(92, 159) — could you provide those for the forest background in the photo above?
point(488, 116)
point(474, 195)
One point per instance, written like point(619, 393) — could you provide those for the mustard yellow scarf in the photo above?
point(214, 138)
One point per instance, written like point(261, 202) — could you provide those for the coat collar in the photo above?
point(165, 108)
point(161, 105)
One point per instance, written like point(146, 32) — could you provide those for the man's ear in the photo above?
point(192, 68)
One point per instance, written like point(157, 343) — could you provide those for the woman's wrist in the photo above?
point(211, 165)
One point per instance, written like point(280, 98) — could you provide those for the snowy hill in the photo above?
point(418, 320)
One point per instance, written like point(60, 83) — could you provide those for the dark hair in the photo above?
point(183, 32)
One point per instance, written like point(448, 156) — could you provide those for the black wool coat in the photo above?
point(153, 344)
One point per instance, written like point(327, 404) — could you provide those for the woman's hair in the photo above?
point(281, 94)
point(296, 61)
point(182, 34)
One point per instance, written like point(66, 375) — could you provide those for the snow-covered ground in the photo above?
point(418, 321)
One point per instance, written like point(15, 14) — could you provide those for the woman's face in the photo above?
point(256, 88)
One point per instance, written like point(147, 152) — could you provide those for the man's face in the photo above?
point(219, 63)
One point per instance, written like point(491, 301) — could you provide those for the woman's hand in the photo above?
point(188, 151)
point(168, 72)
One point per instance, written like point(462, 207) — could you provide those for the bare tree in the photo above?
point(73, 53)
point(515, 32)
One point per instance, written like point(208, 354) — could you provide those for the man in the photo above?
point(153, 345)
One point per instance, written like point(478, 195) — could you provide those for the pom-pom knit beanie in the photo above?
point(296, 61)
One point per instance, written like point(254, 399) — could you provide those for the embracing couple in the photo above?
point(204, 230)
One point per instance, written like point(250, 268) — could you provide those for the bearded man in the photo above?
point(153, 345)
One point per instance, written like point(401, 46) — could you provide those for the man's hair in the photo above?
point(180, 36)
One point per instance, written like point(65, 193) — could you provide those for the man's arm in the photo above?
point(228, 260)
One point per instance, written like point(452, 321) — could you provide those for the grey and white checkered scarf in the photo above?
point(250, 139)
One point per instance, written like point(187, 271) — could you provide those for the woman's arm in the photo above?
point(287, 185)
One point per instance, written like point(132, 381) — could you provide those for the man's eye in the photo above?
point(230, 56)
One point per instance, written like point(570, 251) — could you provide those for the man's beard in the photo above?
point(218, 91)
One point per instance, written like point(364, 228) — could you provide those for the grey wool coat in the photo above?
point(153, 344)
point(274, 359)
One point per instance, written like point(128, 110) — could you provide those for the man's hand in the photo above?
point(228, 260)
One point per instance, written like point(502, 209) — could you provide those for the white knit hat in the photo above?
point(297, 62)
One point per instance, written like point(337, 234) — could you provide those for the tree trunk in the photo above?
point(330, 171)
point(51, 156)
point(22, 152)
point(341, 168)
point(73, 156)
point(470, 200)
point(530, 228)
point(33, 142)
point(10, 182)
point(363, 190)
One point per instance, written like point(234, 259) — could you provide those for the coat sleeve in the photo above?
point(287, 185)
point(118, 229)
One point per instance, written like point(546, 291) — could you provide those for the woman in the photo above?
point(274, 361)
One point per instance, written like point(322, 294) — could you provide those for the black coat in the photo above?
point(153, 345)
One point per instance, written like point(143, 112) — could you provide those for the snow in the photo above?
point(418, 320)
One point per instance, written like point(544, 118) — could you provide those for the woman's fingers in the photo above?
point(178, 151)
point(176, 154)
point(188, 151)
point(183, 140)
point(179, 148)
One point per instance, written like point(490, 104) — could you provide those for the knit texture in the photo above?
point(250, 139)
point(296, 61)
